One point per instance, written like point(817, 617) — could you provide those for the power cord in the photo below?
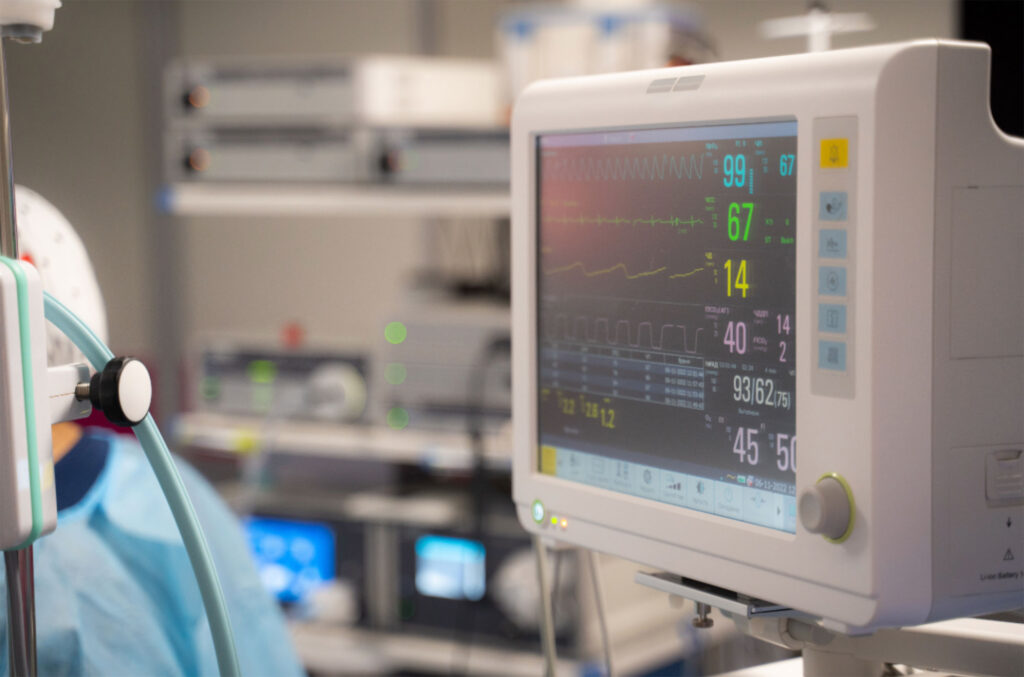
point(602, 621)
point(547, 619)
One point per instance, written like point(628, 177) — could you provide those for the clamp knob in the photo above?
point(123, 391)
point(827, 508)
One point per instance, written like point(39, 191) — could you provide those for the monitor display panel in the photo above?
point(293, 557)
point(666, 277)
point(452, 568)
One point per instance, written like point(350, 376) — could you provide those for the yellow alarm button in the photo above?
point(548, 460)
point(834, 153)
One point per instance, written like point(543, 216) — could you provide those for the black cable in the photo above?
point(476, 400)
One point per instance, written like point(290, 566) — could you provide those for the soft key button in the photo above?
point(832, 206)
point(1004, 476)
point(832, 281)
point(832, 244)
point(832, 318)
point(835, 153)
point(832, 355)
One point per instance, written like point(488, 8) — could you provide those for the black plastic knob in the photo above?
point(123, 391)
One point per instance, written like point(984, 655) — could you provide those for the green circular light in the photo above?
point(395, 373)
point(398, 418)
point(395, 332)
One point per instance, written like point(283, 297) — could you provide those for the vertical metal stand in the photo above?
point(21, 607)
point(21, 612)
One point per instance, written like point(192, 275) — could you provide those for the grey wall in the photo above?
point(85, 134)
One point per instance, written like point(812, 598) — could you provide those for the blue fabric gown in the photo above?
point(115, 593)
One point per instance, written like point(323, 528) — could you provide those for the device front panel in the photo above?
point(679, 330)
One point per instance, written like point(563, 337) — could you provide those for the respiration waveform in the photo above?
point(579, 265)
point(582, 329)
point(660, 167)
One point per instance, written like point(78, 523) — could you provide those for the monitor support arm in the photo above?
point(965, 645)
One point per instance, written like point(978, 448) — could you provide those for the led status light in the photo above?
point(538, 511)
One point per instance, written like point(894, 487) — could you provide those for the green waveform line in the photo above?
point(677, 222)
point(618, 266)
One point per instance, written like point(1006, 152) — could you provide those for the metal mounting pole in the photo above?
point(21, 608)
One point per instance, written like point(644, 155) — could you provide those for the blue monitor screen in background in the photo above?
point(293, 557)
point(452, 568)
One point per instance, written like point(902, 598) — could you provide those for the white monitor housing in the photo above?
point(714, 262)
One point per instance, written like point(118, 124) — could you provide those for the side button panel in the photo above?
point(835, 228)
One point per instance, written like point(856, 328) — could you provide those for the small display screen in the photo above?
point(451, 568)
point(293, 558)
point(666, 327)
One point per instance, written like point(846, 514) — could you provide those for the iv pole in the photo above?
point(21, 620)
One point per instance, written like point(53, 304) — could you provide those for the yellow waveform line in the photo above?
point(619, 266)
point(692, 272)
point(605, 271)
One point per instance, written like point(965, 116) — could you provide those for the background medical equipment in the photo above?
point(318, 385)
point(385, 90)
point(704, 276)
point(549, 40)
point(409, 570)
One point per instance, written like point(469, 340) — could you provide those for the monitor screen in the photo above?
point(666, 315)
point(293, 557)
point(452, 568)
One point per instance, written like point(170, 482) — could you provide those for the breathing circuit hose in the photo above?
point(173, 488)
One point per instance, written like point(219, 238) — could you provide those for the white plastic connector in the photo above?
point(28, 503)
point(63, 381)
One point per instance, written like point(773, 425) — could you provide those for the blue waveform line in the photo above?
point(624, 169)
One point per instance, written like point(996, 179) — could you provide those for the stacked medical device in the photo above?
point(375, 119)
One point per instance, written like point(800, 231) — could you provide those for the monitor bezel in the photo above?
point(594, 516)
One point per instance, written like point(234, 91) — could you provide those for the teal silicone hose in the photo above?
point(174, 490)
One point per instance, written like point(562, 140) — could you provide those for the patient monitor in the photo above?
point(769, 325)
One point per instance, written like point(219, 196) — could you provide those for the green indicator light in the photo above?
point(262, 371)
point(538, 511)
point(395, 373)
point(554, 521)
point(398, 418)
point(395, 333)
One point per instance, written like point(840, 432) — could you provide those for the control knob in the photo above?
point(827, 508)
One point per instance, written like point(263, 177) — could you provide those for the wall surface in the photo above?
point(77, 121)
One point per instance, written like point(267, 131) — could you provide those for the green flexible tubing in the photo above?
point(170, 483)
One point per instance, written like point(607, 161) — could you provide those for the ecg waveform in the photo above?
point(582, 329)
point(680, 224)
point(624, 169)
point(579, 265)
